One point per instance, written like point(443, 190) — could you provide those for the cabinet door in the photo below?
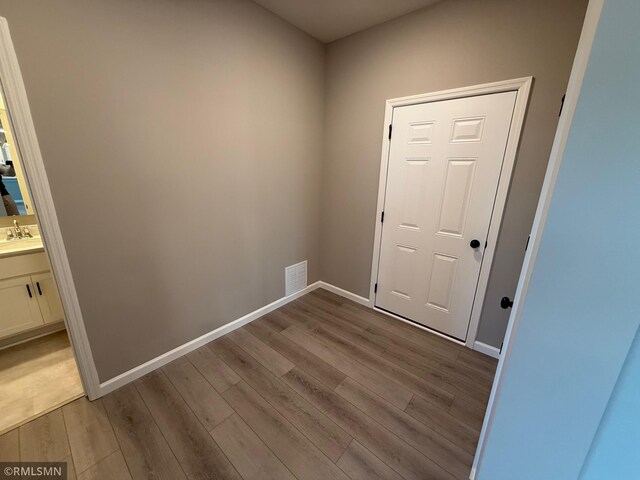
point(48, 298)
point(18, 306)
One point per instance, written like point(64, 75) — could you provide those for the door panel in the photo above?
point(402, 272)
point(456, 193)
point(415, 174)
point(467, 130)
point(444, 166)
point(443, 274)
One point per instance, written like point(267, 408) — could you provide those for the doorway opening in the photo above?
point(38, 371)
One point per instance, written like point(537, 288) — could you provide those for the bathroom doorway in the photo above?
point(38, 370)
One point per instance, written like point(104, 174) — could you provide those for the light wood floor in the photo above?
point(320, 389)
point(36, 377)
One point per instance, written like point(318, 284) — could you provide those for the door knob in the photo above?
point(474, 243)
point(506, 302)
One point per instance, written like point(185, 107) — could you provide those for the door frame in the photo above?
point(578, 70)
point(27, 146)
point(522, 87)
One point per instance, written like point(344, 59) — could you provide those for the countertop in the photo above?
point(21, 247)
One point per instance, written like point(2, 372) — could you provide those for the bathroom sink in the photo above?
point(21, 246)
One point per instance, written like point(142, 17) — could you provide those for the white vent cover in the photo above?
point(295, 278)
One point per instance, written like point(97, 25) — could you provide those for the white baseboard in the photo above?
point(25, 337)
point(159, 361)
point(486, 349)
point(346, 294)
point(472, 475)
point(367, 303)
point(478, 346)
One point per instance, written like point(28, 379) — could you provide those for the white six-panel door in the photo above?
point(444, 166)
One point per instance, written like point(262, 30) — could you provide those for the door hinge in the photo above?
point(562, 104)
point(390, 130)
point(375, 288)
point(382, 218)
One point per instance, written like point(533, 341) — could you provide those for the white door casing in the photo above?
point(444, 168)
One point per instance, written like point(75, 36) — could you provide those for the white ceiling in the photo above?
point(329, 20)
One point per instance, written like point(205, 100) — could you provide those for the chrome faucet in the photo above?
point(18, 232)
point(17, 229)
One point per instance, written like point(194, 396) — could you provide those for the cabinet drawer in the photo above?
point(19, 265)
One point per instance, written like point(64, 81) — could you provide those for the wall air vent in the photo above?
point(295, 278)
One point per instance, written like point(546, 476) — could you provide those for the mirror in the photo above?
point(13, 185)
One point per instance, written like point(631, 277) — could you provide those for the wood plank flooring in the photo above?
point(319, 389)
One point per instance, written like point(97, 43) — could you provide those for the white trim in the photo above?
point(159, 361)
point(486, 349)
point(580, 63)
point(345, 293)
point(27, 144)
point(523, 88)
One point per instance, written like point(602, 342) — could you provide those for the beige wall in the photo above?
point(183, 144)
point(452, 44)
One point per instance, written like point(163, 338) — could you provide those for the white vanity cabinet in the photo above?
point(19, 308)
point(48, 299)
point(28, 294)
